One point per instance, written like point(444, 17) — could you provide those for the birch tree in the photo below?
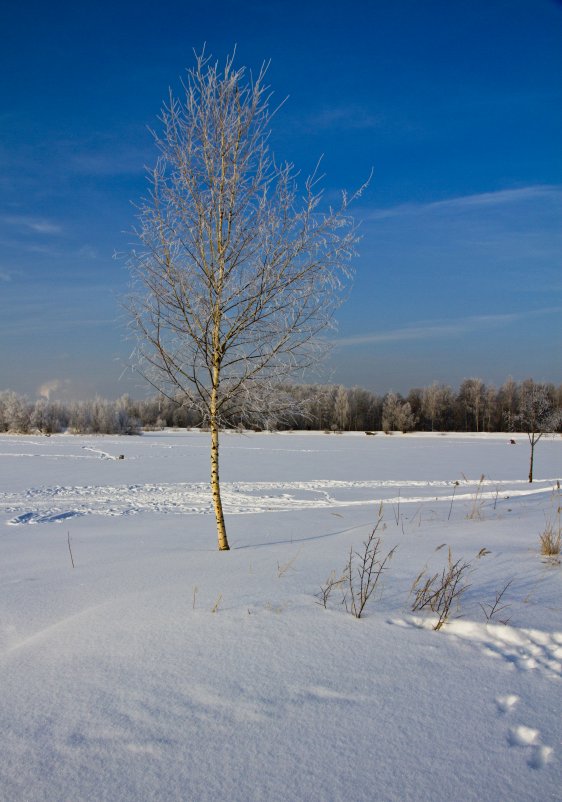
point(435, 399)
point(536, 416)
point(471, 395)
point(236, 274)
point(341, 408)
point(507, 400)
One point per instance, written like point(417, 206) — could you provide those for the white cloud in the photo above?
point(442, 329)
point(36, 224)
point(87, 252)
point(342, 117)
point(481, 200)
point(112, 160)
point(350, 116)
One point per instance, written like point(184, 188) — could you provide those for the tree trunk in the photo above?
point(532, 442)
point(215, 484)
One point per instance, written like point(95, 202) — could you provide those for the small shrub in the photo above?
point(326, 589)
point(361, 574)
point(440, 592)
point(363, 571)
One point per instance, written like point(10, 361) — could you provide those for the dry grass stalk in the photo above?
point(70, 549)
point(283, 568)
point(475, 512)
point(452, 499)
point(550, 538)
point(397, 511)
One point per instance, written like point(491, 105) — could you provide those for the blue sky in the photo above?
point(456, 105)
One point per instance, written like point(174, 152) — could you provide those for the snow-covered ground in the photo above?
point(119, 682)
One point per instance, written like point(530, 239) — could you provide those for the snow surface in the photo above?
point(118, 682)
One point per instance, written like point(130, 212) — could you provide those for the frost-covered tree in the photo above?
point(341, 408)
point(537, 415)
point(364, 409)
point(489, 408)
point(15, 412)
point(390, 409)
point(405, 418)
point(4, 421)
point(49, 417)
point(236, 273)
point(397, 414)
point(471, 397)
point(507, 401)
point(435, 400)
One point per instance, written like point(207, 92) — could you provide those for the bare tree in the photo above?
point(390, 407)
point(341, 408)
point(536, 416)
point(490, 403)
point(15, 412)
point(435, 399)
point(471, 396)
point(364, 409)
point(508, 399)
point(236, 274)
point(397, 414)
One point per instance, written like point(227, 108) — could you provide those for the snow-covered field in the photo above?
point(119, 682)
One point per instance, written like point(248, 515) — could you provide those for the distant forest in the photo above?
point(475, 407)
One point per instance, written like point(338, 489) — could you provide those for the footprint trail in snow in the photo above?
point(54, 504)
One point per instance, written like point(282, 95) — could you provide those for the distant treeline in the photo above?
point(475, 407)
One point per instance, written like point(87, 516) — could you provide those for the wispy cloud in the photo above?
point(343, 117)
point(351, 116)
point(112, 159)
point(87, 252)
point(35, 224)
point(22, 244)
point(481, 200)
point(442, 329)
